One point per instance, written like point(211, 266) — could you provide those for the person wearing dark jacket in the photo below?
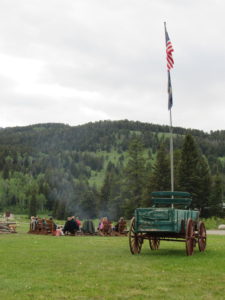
point(73, 225)
point(67, 226)
point(70, 226)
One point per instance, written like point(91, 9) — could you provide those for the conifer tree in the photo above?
point(88, 203)
point(110, 203)
point(33, 205)
point(134, 177)
point(176, 162)
point(204, 185)
point(161, 171)
point(194, 176)
point(216, 199)
point(187, 169)
point(105, 192)
point(60, 210)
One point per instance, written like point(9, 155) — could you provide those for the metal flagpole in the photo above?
point(171, 152)
point(170, 62)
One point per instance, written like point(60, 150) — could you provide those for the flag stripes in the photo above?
point(170, 63)
point(169, 50)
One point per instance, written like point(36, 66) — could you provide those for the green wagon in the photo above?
point(169, 219)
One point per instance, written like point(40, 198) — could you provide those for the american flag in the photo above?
point(170, 63)
point(169, 50)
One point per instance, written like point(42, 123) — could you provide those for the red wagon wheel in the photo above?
point(135, 239)
point(154, 243)
point(201, 236)
point(190, 237)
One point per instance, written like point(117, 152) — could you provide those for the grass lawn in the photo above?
point(47, 267)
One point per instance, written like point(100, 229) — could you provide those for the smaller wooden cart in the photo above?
point(169, 219)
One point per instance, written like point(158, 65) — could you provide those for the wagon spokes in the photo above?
point(201, 236)
point(154, 243)
point(135, 239)
point(190, 237)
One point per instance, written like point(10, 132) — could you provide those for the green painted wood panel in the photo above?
point(171, 194)
point(162, 219)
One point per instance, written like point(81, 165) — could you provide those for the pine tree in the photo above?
point(115, 205)
point(5, 173)
point(135, 175)
point(187, 169)
point(204, 185)
point(216, 199)
point(88, 203)
point(60, 210)
point(161, 171)
point(104, 197)
point(176, 163)
point(194, 175)
point(33, 206)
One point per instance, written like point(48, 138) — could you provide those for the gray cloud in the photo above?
point(80, 61)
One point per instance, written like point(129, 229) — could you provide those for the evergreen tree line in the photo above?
point(103, 136)
point(55, 183)
point(122, 192)
point(50, 168)
point(31, 184)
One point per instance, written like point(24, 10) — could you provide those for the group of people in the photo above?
point(106, 226)
point(42, 224)
point(73, 225)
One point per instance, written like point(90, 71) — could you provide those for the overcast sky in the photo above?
point(76, 61)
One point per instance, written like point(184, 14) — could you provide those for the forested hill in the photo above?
point(106, 167)
point(103, 136)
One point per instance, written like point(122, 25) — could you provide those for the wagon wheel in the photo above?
point(190, 237)
point(135, 239)
point(201, 236)
point(154, 243)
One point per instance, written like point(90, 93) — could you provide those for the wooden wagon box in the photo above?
point(163, 219)
point(169, 219)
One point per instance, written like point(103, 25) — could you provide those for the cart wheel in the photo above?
point(154, 243)
point(201, 236)
point(190, 237)
point(135, 239)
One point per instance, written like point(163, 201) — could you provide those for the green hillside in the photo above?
point(64, 169)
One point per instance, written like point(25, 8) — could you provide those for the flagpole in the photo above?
point(170, 102)
point(171, 152)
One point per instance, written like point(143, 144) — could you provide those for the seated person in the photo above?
point(105, 226)
point(44, 224)
point(74, 225)
point(67, 226)
point(99, 224)
point(78, 222)
point(121, 225)
point(54, 225)
point(33, 223)
point(70, 226)
point(88, 227)
point(59, 231)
